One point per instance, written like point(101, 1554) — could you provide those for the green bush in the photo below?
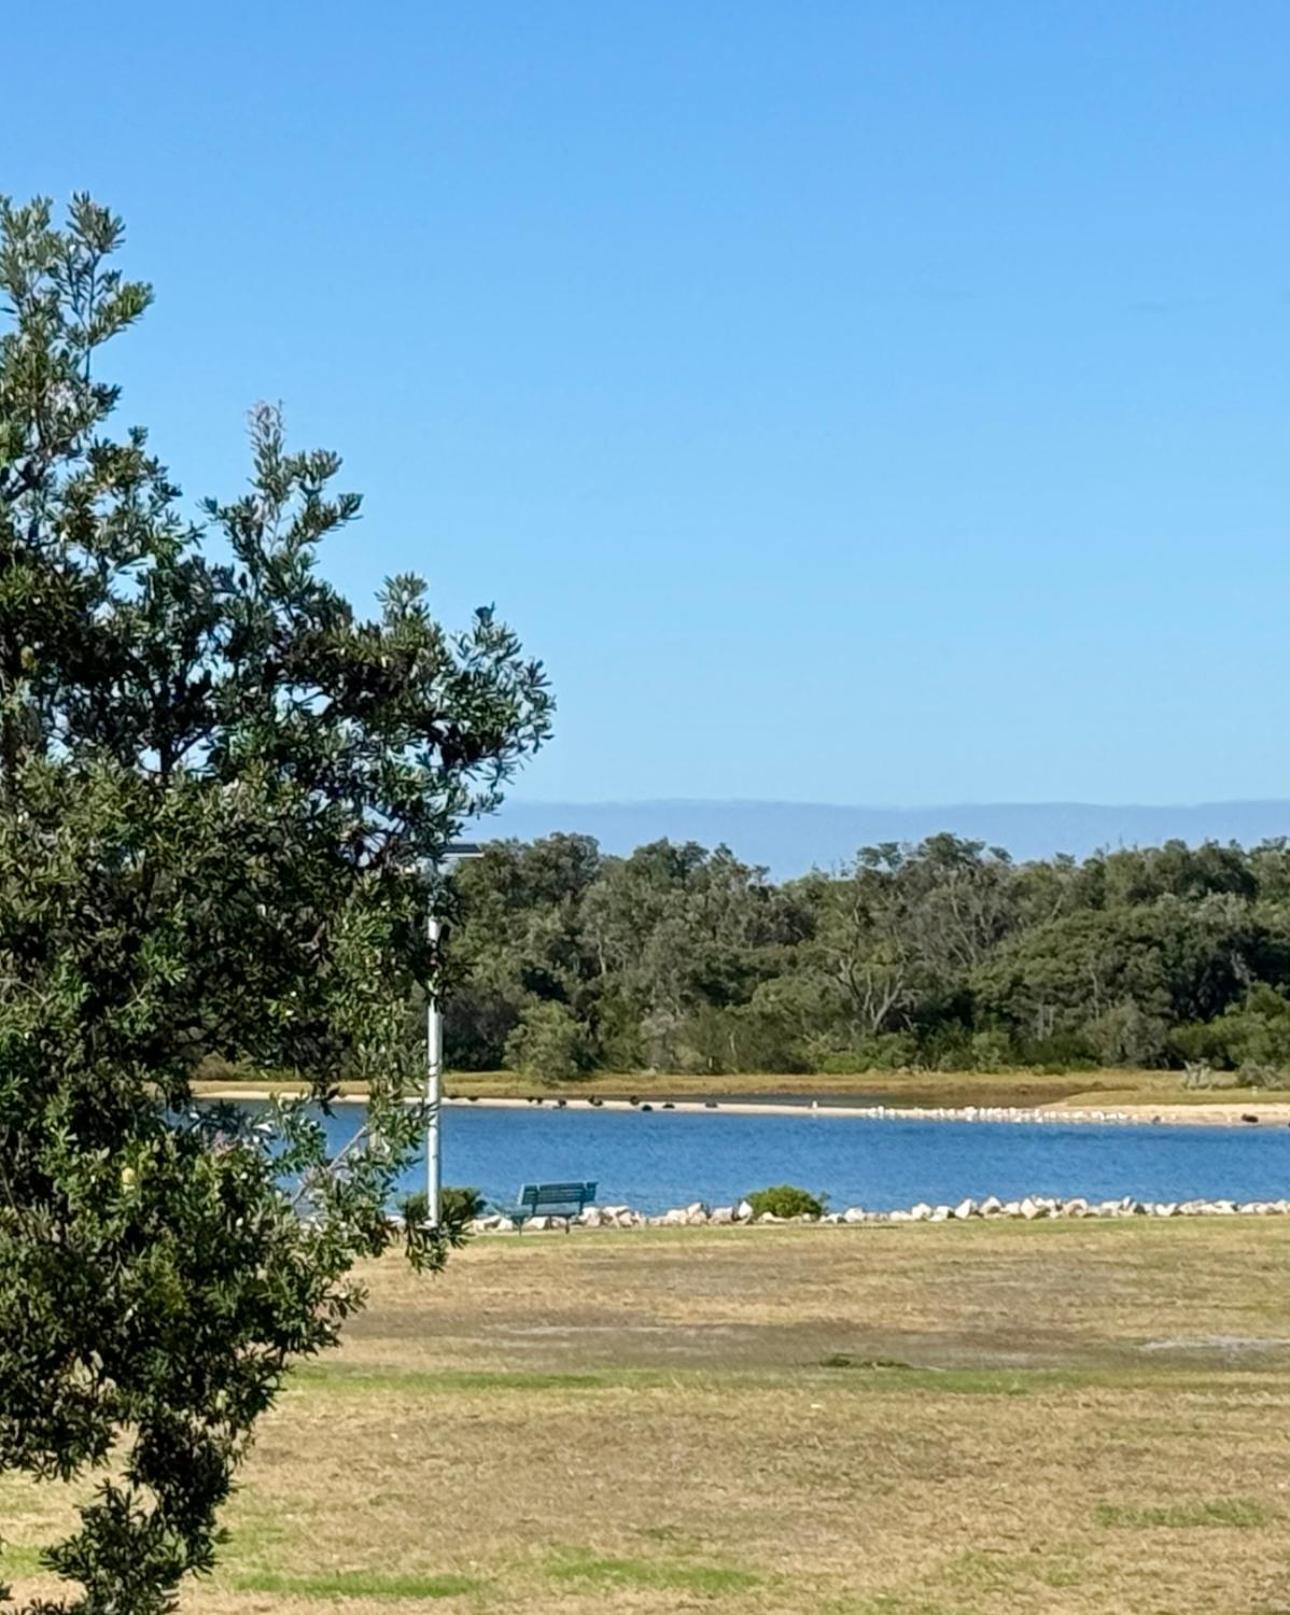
point(458, 1206)
point(786, 1200)
point(550, 1043)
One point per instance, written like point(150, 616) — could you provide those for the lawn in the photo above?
point(961, 1419)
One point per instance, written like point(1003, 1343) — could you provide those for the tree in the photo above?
point(218, 786)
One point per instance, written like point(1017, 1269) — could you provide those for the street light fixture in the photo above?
point(452, 855)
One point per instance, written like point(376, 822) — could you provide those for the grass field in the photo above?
point(964, 1419)
point(1109, 1089)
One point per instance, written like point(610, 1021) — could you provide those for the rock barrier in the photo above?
point(1030, 1208)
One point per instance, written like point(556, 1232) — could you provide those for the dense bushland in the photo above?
point(945, 955)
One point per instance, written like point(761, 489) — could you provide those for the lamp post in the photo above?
point(452, 854)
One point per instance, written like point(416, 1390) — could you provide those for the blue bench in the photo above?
point(566, 1200)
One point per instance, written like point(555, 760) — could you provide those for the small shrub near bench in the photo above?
point(786, 1200)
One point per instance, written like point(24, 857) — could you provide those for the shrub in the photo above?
point(787, 1200)
point(550, 1043)
point(457, 1207)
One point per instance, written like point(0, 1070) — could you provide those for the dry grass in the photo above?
point(1075, 1417)
point(1107, 1089)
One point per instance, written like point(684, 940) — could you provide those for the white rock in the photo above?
point(769, 1216)
point(539, 1225)
point(921, 1212)
point(1078, 1207)
point(1030, 1208)
point(721, 1215)
point(591, 1217)
point(743, 1211)
point(901, 1216)
point(964, 1210)
point(699, 1206)
point(940, 1214)
point(696, 1216)
point(676, 1218)
point(991, 1206)
point(855, 1214)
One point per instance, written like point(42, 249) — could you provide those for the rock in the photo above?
point(854, 1214)
point(991, 1206)
point(676, 1218)
point(769, 1216)
point(721, 1215)
point(1030, 1208)
point(1166, 1208)
point(900, 1216)
point(964, 1210)
point(922, 1212)
point(1012, 1208)
point(743, 1211)
point(539, 1225)
point(615, 1211)
point(696, 1216)
point(591, 1217)
point(1078, 1207)
point(940, 1214)
point(697, 1206)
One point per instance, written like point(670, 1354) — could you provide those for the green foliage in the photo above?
point(548, 1044)
point(944, 956)
point(219, 786)
point(786, 1200)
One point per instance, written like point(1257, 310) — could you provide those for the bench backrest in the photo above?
point(555, 1197)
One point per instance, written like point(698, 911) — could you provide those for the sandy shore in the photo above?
point(1200, 1115)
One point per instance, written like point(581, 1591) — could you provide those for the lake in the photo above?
point(657, 1159)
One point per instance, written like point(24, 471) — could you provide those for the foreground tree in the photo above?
point(218, 790)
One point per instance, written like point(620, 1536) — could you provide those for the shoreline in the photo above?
point(1198, 1115)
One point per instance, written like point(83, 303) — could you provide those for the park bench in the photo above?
point(566, 1200)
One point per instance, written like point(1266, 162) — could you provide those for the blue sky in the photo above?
point(853, 402)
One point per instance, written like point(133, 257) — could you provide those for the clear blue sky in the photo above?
point(870, 402)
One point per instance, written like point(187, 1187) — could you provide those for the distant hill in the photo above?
point(792, 837)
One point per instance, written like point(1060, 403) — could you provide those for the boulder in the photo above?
point(940, 1214)
point(539, 1225)
point(854, 1214)
point(676, 1218)
point(991, 1206)
point(696, 1216)
point(721, 1215)
point(591, 1217)
point(964, 1210)
point(769, 1216)
point(1077, 1207)
point(1030, 1208)
point(743, 1211)
point(921, 1212)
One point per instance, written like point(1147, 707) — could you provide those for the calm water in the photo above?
point(663, 1158)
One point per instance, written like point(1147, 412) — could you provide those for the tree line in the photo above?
point(944, 955)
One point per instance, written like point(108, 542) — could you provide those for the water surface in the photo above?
point(657, 1159)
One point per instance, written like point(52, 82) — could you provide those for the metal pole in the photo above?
point(434, 1080)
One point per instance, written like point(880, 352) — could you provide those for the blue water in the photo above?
point(658, 1159)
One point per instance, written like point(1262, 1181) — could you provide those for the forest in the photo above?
point(946, 955)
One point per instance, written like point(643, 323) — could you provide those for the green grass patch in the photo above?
point(591, 1571)
point(341, 1377)
point(1240, 1512)
point(356, 1584)
point(19, 1559)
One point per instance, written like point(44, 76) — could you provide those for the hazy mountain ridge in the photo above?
point(792, 837)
